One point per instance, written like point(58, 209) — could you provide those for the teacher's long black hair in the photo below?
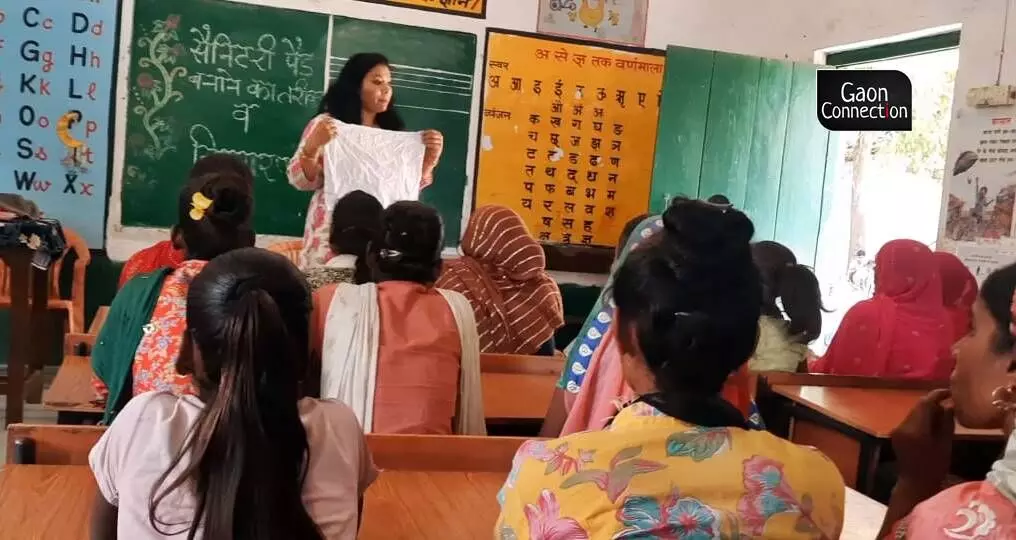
point(342, 100)
point(688, 304)
point(248, 314)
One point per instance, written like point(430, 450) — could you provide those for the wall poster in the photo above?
point(567, 135)
point(613, 21)
point(468, 8)
point(981, 179)
point(55, 96)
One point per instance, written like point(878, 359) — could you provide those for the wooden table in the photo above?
point(514, 397)
point(852, 425)
point(45, 502)
point(29, 335)
point(54, 502)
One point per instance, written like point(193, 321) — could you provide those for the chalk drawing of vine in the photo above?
point(156, 91)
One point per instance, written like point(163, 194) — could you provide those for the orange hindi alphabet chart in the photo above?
point(567, 134)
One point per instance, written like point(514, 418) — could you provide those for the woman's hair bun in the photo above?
point(231, 200)
point(701, 230)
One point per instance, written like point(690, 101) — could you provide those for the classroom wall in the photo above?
point(790, 29)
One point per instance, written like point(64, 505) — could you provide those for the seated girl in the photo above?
point(592, 381)
point(983, 396)
point(245, 457)
point(169, 253)
point(680, 460)
point(137, 348)
point(959, 291)
point(783, 342)
point(502, 271)
point(402, 354)
point(356, 222)
point(904, 330)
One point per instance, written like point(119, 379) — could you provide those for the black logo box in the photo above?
point(864, 100)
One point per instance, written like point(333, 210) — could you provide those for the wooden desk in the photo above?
point(431, 505)
point(852, 425)
point(513, 397)
point(45, 502)
point(29, 335)
point(54, 502)
point(71, 392)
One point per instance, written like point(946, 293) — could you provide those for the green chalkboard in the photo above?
point(215, 76)
point(433, 80)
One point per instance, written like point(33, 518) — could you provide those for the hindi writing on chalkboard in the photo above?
point(567, 135)
point(54, 108)
point(209, 76)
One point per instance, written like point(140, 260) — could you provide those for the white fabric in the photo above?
point(470, 418)
point(386, 164)
point(145, 437)
point(341, 261)
point(349, 352)
point(1003, 471)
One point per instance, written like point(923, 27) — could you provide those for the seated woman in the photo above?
point(502, 272)
point(402, 354)
point(680, 460)
point(959, 291)
point(170, 253)
point(903, 331)
point(137, 348)
point(592, 379)
point(783, 342)
point(983, 396)
point(356, 222)
point(246, 457)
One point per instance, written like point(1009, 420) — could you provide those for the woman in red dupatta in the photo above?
point(903, 331)
point(502, 271)
point(959, 292)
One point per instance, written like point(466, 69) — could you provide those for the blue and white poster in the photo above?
point(56, 84)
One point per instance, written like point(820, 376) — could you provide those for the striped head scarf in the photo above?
point(502, 271)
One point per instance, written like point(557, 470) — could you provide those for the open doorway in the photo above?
point(887, 185)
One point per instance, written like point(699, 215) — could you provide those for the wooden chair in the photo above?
point(75, 305)
point(55, 445)
point(290, 249)
point(99, 320)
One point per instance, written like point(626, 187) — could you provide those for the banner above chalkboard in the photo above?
point(468, 8)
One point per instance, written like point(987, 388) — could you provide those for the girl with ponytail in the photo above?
point(245, 458)
point(784, 334)
point(679, 460)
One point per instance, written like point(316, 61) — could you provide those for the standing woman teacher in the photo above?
point(362, 94)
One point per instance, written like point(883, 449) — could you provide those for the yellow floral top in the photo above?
point(650, 476)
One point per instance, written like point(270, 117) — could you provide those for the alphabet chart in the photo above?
point(567, 135)
point(57, 63)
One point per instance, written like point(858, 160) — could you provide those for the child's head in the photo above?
point(409, 248)
point(985, 357)
point(688, 301)
point(795, 285)
point(356, 224)
point(215, 209)
point(246, 344)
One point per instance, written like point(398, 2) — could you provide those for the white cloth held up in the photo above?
point(386, 164)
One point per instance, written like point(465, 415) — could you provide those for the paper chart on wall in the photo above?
point(982, 259)
point(981, 178)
